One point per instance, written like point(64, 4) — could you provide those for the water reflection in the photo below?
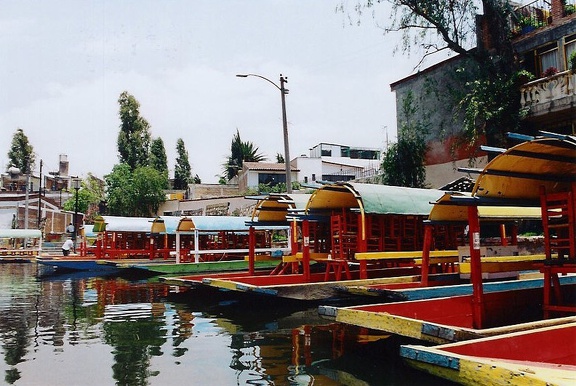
point(96, 330)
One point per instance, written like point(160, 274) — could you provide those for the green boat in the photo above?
point(202, 267)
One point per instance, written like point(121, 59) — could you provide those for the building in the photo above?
point(327, 162)
point(544, 38)
point(332, 163)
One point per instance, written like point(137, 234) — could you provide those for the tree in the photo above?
point(158, 159)
point(134, 136)
point(119, 200)
point(182, 169)
point(148, 191)
point(490, 100)
point(137, 193)
point(279, 158)
point(21, 153)
point(403, 163)
point(90, 195)
point(240, 152)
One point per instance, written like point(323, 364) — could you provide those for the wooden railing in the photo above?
point(544, 90)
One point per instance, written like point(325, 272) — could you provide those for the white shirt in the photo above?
point(67, 244)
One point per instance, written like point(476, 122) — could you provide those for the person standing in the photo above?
point(68, 244)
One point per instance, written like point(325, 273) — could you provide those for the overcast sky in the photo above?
point(64, 64)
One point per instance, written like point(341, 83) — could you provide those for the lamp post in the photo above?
point(283, 92)
point(76, 186)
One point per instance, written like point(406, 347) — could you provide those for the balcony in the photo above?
point(537, 14)
point(555, 94)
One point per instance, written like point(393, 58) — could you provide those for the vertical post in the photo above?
point(306, 249)
point(39, 216)
point(426, 255)
point(251, 250)
point(293, 231)
point(503, 237)
point(283, 92)
point(75, 234)
point(475, 266)
point(177, 247)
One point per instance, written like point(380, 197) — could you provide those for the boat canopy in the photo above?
point(213, 224)
point(276, 208)
point(374, 199)
point(161, 224)
point(20, 234)
point(445, 211)
point(518, 172)
point(165, 224)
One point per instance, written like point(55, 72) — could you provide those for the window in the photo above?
point(313, 177)
point(570, 47)
point(548, 59)
point(271, 179)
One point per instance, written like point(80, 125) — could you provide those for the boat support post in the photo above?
point(475, 266)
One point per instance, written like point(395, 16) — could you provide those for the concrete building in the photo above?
point(550, 100)
point(325, 162)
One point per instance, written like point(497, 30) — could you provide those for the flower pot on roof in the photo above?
point(529, 23)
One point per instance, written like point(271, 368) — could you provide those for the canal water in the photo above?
point(78, 330)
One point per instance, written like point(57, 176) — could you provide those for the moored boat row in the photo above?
point(417, 252)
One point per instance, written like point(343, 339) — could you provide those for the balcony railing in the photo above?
point(548, 89)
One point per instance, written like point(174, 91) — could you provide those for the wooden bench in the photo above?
point(503, 266)
point(445, 258)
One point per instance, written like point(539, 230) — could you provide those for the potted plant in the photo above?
point(549, 72)
point(572, 62)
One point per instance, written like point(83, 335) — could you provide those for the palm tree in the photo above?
point(240, 152)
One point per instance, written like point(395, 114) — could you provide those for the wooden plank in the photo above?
point(504, 264)
point(399, 255)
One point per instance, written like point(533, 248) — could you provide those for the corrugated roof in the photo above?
point(444, 211)
point(375, 199)
point(213, 223)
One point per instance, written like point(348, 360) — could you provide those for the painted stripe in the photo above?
point(435, 358)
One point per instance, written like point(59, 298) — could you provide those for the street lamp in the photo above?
point(283, 92)
point(76, 185)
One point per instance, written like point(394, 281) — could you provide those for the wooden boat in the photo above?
point(509, 179)
point(451, 318)
point(542, 356)
point(20, 244)
point(58, 264)
point(172, 268)
point(379, 223)
point(165, 244)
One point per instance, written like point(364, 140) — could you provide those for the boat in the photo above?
point(49, 265)
point(20, 245)
point(539, 172)
point(362, 235)
point(508, 305)
point(543, 356)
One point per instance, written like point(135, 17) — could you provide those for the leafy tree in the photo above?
point(148, 191)
point(403, 163)
point(279, 158)
point(21, 153)
point(119, 199)
point(491, 97)
point(137, 193)
point(158, 159)
point(240, 152)
point(182, 170)
point(134, 136)
point(90, 195)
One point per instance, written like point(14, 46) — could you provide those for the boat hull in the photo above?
point(539, 356)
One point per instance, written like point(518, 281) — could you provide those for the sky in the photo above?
point(65, 63)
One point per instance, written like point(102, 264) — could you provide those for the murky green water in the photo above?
point(73, 330)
